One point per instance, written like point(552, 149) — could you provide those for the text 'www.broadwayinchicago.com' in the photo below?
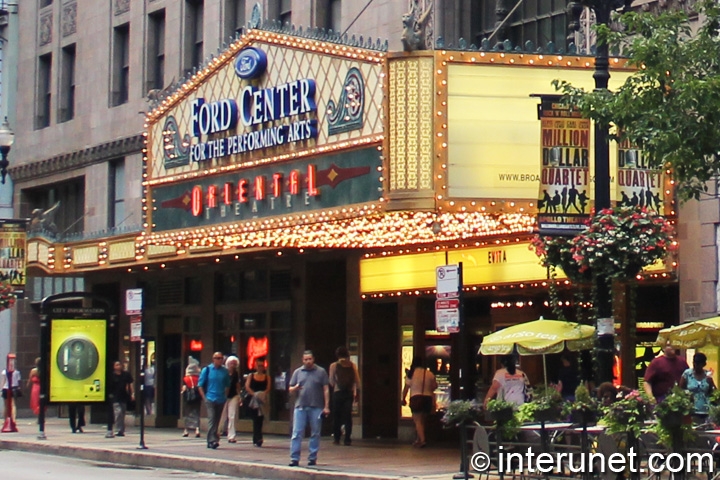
point(576, 462)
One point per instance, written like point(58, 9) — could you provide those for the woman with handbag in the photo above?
point(421, 384)
point(191, 397)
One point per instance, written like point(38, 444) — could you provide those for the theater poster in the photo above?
point(564, 197)
point(638, 185)
point(12, 252)
point(78, 360)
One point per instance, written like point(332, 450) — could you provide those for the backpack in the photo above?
point(191, 394)
point(344, 377)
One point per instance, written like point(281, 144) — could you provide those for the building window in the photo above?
point(68, 217)
point(67, 84)
point(44, 91)
point(121, 65)
point(539, 22)
point(193, 33)
point(156, 51)
point(234, 17)
point(116, 184)
point(45, 3)
point(334, 13)
point(285, 13)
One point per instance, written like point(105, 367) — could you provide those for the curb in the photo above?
point(178, 462)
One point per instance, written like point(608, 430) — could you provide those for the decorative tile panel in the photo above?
point(32, 252)
point(121, 251)
point(160, 250)
point(122, 6)
point(46, 28)
point(43, 253)
point(411, 124)
point(69, 19)
point(85, 255)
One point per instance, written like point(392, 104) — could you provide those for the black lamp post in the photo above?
point(7, 137)
point(605, 344)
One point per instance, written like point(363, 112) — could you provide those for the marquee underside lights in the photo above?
point(362, 227)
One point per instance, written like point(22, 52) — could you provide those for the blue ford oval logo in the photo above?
point(251, 62)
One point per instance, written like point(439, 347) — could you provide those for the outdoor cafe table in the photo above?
point(544, 428)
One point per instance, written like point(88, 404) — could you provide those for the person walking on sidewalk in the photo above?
point(213, 386)
point(229, 413)
point(345, 381)
point(257, 385)
point(121, 392)
point(310, 384)
point(76, 414)
point(191, 397)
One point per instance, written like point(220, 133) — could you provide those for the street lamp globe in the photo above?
point(7, 137)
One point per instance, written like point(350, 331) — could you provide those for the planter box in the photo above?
point(502, 416)
point(547, 415)
point(584, 417)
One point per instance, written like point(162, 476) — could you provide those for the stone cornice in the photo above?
point(77, 159)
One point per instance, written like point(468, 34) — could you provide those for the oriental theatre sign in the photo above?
point(276, 125)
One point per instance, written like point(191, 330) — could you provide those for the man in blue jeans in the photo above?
point(310, 382)
point(213, 385)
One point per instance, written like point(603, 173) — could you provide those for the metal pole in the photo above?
point(44, 361)
point(141, 399)
point(463, 377)
point(605, 343)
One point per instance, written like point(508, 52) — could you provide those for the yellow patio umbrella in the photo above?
point(539, 337)
point(692, 334)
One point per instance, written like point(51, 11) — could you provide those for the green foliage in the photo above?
point(628, 413)
point(670, 106)
point(583, 402)
point(546, 401)
point(460, 412)
point(507, 427)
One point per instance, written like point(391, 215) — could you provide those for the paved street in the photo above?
point(34, 466)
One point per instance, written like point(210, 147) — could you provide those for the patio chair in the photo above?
point(481, 443)
point(606, 445)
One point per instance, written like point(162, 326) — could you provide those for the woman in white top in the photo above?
point(509, 383)
point(421, 384)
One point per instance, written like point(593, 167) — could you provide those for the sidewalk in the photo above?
point(365, 459)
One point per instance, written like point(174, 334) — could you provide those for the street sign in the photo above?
point(133, 301)
point(447, 316)
point(135, 328)
point(447, 304)
point(447, 281)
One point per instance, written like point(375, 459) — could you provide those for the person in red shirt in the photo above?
point(663, 373)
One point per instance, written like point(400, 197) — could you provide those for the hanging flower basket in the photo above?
point(617, 244)
point(7, 297)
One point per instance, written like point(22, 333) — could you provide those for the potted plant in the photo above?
point(584, 410)
point(628, 413)
point(673, 413)
point(546, 405)
point(460, 412)
point(503, 413)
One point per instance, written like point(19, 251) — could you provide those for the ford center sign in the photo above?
point(250, 63)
